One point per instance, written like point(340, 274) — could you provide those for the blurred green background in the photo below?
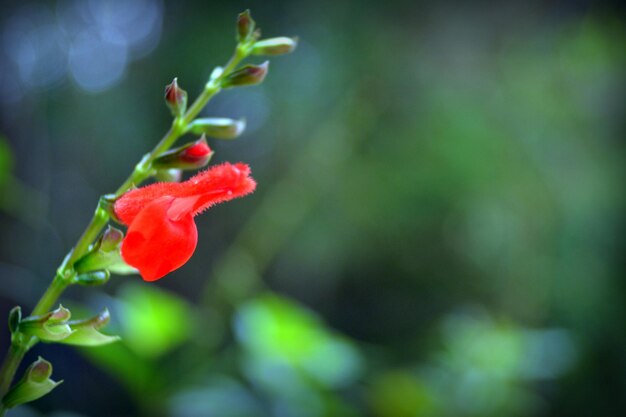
point(438, 228)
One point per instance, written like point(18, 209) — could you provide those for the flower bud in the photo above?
point(247, 75)
point(274, 46)
point(34, 384)
point(194, 155)
point(103, 256)
point(245, 26)
point(169, 175)
point(176, 98)
point(218, 127)
point(93, 278)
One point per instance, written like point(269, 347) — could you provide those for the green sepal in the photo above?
point(86, 332)
point(93, 278)
point(169, 175)
point(246, 75)
point(104, 254)
point(15, 317)
point(274, 46)
point(34, 384)
point(49, 327)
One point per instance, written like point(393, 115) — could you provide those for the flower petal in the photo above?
point(215, 185)
point(155, 243)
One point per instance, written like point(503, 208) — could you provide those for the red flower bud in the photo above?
point(245, 26)
point(247, 75)
point(176, 98)
point(193, 155)
point(162, 234)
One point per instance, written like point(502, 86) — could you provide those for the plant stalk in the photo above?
point(143, 170)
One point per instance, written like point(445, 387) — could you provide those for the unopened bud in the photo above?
point(176, 98)
point(218, 127)
point(93, 278)
point(191, 156)
point(245, 26)
point(169, 175)
point(248, 75)
point(274, 46)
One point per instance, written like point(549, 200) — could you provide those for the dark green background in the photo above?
point(438, 228)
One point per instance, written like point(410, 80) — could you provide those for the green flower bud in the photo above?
point(218, 127)
point(247, 75)
point(176, 98)
point(169, 175)
point(34, 384)
point(274, 46)
point(93, 278)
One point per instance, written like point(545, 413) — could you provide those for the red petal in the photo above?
point(156, 244)
point(218, 184)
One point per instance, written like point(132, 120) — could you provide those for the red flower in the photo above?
point(161, 233)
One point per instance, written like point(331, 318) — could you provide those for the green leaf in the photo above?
point(154, 321)
point(273, 330)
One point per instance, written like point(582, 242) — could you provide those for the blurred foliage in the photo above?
point(437, 231)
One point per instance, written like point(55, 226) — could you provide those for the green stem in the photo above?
point(10, 365)
point(143, 170)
